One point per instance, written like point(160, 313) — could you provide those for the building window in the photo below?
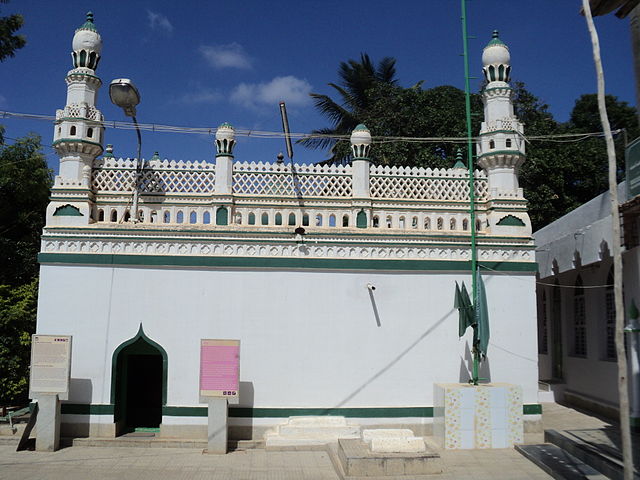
point(252, 219)
point(439, 223)
point(465, 224)
point(345, 220)
point(292, 219)
point(492, 144)
point(543, 326)
point(610, 318)
point(278, 218)
point(508, 143)
point(100, 215)
point(265, 219)
point(72, 131)
point(579, 320)
point(89, 132)
point(206, 218)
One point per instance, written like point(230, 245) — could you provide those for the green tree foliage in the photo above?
point(18, 307)
point(357, 81)
point(9, 41)
point(25, 181)
point(558, 175)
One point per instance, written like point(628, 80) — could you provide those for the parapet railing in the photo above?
point(281, 195)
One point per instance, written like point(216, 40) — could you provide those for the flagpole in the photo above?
point(472, 195)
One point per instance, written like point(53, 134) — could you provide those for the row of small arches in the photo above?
point(180, 217)
point(318, 220)
point(73, 131)
point(439, 223)
point(492, 143)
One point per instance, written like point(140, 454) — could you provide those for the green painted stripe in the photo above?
point(256, 412)
point(497, 131)
point(87, 409)
point(502, 152)
point(279, 262)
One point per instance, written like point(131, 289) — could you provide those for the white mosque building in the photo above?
point(213, 253)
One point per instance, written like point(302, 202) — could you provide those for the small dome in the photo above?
point(87, 37)
point(361, 135)
point(225, 131)
point(496, 52)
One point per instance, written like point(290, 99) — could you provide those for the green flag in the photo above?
point(465, 310)
point(481, 332)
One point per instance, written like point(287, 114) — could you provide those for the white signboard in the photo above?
point(50, 365)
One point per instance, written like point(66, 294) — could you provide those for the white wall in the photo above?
point(308, 338)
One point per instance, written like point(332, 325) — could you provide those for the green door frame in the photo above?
point(139, 344)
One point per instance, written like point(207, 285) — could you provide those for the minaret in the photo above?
point(78, 132)
point(501, 148)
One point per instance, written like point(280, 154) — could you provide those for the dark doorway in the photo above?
point(144, 391)
point(138, 384)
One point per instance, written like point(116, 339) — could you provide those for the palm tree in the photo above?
point(357, 78)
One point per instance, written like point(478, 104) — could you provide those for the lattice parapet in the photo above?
point(504, 124)
point(80, 111)
point(251, 178)
point(158, 176)
point(425, 183)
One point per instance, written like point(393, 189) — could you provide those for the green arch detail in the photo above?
point(222, 216)
point(150, 345)
point(511, 221)
point(67, 211)
point(361, 219)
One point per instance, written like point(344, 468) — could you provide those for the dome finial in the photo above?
point(90, 17)
point(496, 34)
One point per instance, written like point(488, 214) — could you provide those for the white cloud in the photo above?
point(294, 91)
point(203, 95)
point(226, 56)
point(157, 21)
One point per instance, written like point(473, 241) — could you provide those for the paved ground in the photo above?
point(83, 463)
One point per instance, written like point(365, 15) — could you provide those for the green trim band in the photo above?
point(87, 409)
point(497, 131)
point(253, 412)
point(281, 262)
point(76, 140)
point(501, 152)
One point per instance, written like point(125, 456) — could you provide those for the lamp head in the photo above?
point(124, 94)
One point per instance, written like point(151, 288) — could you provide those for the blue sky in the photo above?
point(204, 63)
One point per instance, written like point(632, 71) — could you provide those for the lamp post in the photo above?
point(125, 95)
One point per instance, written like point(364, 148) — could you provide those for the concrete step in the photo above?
point(310, 431)
point(558, 463)
point(605, 460)
point(319, 431)
point(327, 421)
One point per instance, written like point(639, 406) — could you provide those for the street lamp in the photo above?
point(124, 94)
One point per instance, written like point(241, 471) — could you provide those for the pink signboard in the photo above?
point(219, 368)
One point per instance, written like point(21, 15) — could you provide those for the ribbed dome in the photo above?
point(87, 45)
point(496, 52)
point(496, 59)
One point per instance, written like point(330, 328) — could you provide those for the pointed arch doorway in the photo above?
point(138, 384)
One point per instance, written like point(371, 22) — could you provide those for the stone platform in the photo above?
point(310, 431)
point(356, 460)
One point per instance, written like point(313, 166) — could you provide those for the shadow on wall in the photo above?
point(244, 431)
point(466, 367)
point(80, 393)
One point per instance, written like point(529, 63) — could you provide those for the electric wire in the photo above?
point(161, 128)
